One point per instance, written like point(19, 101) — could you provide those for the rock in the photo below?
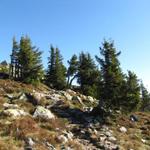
point(34, 98)
point(50, 146)
point(69, 135)
point(43, 113)
point(10, 96)
point(14, 113)
point(108, 134)
point(77, 99)
point(110, 146)
point(63, 139)
point(29, 142)
point(23, 96)
point(10, 106)
point(91, 99)
point(28, 148)
point(112, 139)
point(133, 118)
point(123, 129)
point(67, 96)
point(55, 97)
point(144, 141)
point(88, 109)
point(71, 92)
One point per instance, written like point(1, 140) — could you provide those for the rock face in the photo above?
point(43, 113)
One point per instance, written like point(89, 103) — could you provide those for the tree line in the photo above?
point(106, 81)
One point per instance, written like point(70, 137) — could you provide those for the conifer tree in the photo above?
point(29, 59)
point(88, 75)
point(72, 70)
point(112, 76)
point(56, 73)
point(132, 93)
point(145, 97)
point(14, 66)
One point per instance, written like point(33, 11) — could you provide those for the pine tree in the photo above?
point(72, 70)
point(131, 93)
point(29, 59)
point(145, 97)
point(112, 76)
point(14, 66)
point(88, 75)
point(56, 73)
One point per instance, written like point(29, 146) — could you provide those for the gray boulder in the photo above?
point(43, 113)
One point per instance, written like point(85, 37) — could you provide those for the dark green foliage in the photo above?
point(131, 99)
point(88, 75)
point(56, 73)
point(145, 97)
point(72, 70)
point(14, 66)
point(26, 62)
point(112, 76)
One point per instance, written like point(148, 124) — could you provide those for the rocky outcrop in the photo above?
point(14, 113)
point(43, 113)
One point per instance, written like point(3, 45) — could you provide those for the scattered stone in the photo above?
point(67, 95)
point(43, 113)
point(123, 129)
point(133, 118)
point(69, 135)
point(50, 146)
point(90, 99)
point(77, 99)
point(63, 139)
point(108, 134)
point(112, 139)
point(29, 141)
point(143, 140)
point(23, 97)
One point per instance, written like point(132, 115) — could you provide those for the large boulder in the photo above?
point(43, 113)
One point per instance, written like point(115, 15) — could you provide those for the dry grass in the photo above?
point(135, 131)
point(54, 124)
point(22, 128)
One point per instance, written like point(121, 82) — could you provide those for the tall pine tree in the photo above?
point(88, 75)
point(145, 97)
point(112, 76)
point(56, 73)
point(29, 59)
point(131, 99)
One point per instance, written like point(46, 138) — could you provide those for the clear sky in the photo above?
point(76, 25)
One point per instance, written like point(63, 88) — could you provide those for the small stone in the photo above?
point(112, 139)
point(123, 129)
point(144, 141)
point(108, 134)
point(63, 139)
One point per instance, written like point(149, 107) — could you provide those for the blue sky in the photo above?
point(76, 25)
